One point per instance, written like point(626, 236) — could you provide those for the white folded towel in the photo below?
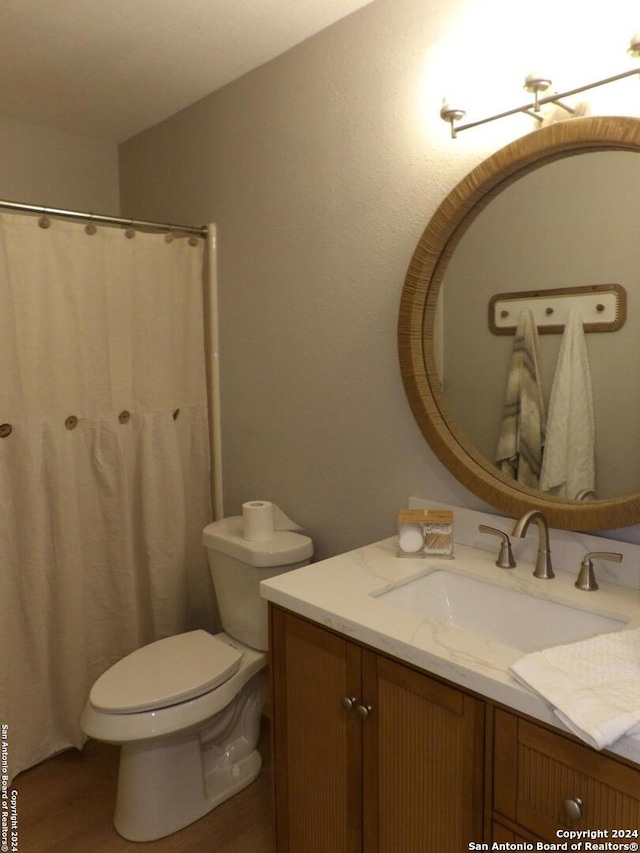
point(568, 463)
point(594, 685)
point(519, 451)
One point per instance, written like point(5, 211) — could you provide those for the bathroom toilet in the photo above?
point(186, 710)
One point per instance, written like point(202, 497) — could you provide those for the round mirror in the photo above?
point(532, 218)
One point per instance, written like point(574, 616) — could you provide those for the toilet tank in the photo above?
point(238, 565)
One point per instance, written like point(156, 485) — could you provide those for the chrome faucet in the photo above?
point(543, 567)
point(505, 557)
point(586, 578)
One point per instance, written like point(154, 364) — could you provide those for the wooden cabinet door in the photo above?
point(423, 762)
point(316, 742)
point(501, 834)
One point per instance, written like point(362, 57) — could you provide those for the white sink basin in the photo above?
point(513, 618)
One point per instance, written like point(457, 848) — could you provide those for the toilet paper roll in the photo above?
point(258, 520)
point(262, 518)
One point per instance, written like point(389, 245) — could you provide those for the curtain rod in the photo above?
point(201, 231)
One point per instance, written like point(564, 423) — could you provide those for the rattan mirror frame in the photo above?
point(417, 308)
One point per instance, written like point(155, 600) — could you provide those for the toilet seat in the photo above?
point(165, 673)
point(174, 719)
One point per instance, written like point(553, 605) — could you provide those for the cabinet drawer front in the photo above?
point(546, 771)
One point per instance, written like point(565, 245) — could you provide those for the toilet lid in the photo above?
point(164, 673)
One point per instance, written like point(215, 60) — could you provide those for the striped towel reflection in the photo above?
point(519, 452)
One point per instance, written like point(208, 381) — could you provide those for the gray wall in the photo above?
point(54, 169)
point(321, 173)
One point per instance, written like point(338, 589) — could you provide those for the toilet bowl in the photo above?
point(186, 710)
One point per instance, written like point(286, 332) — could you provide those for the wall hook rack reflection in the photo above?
point(602, 307)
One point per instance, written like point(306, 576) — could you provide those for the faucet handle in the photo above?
point(505, 557)
point(586, 578)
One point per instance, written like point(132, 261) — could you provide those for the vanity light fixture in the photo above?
point(537, 84)
point(452, 115)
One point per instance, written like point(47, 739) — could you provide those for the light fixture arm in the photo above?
point(532, 109)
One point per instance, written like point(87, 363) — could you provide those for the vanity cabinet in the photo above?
point(545, 781)
point(369, 754)
point(373, 755)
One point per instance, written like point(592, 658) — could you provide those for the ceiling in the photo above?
point(108, 69)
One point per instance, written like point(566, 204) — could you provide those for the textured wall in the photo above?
point(321, 170)
point(54, 169)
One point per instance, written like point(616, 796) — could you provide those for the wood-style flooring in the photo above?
point(65, 805)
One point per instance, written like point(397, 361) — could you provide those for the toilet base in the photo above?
point(164, 785)
point(162, 803)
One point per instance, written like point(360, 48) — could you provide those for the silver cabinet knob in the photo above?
point(572, 808)
point(363, 711)
point(349, 702)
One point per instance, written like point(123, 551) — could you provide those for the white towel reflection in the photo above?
point(568, 464)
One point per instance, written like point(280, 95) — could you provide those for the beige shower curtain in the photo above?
point(104, 463)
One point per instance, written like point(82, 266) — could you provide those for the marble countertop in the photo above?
point(340, 593)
